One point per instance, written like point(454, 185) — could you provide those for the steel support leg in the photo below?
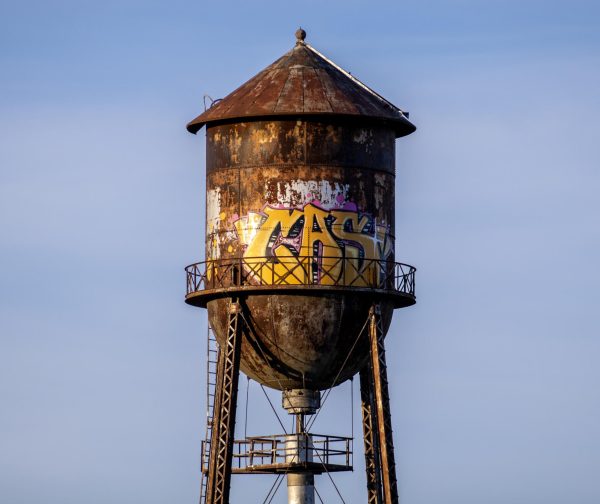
point(382, 405)
point(369, 421)
point(221, 448)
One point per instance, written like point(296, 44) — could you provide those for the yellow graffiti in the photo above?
point(278, 224)
point(349, 227)
point(318, 243)
point(313, 246)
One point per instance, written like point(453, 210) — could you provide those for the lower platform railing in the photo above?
point(279, 453)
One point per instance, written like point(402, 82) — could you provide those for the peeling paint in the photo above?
point(296, 193)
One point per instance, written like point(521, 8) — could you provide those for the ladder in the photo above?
point(212, 357)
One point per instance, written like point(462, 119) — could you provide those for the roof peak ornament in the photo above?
point(300, 36)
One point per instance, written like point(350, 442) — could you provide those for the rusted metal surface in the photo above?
point(299, 341)
point(299, 333)
point(315, 199)
point(280, 174)
point(224, 410)
point(319, 143)
point(304, 82)
point(382, 403)
point(370, 436)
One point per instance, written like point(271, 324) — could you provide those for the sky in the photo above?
point(494, 374)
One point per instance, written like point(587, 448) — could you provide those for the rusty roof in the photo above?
point(304, 82)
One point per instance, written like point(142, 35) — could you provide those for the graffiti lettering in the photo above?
point(314, 245)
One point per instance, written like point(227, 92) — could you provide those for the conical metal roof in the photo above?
point(304, 82)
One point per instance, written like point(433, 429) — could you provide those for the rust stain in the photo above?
point(303, 82)
point(301, 340)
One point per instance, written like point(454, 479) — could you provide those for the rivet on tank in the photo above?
point(300, 278)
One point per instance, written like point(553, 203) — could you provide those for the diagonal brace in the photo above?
point(221, 448)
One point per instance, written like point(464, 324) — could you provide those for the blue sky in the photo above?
point(494, 373)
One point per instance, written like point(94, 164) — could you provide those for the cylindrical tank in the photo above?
point(300, 191)
point(300, 177)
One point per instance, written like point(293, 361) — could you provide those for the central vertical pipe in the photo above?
point(298, 446)
point(301, 486)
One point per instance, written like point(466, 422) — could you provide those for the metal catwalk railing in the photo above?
point(351, 272)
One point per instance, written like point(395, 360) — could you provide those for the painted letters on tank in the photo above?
point(326, 240)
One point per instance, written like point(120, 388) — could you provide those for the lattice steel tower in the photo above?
point(300, 280)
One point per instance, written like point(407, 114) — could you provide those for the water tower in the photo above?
point(300, 279)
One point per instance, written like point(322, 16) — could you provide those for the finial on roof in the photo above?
point(300, 36)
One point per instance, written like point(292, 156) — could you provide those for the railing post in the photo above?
point(202, 457)
point(347, 452)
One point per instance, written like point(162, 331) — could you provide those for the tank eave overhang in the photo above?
point(400, 125)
